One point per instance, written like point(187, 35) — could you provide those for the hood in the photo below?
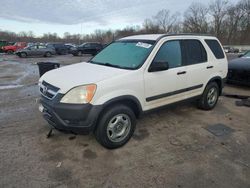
point(239, 64)
point(84, 73)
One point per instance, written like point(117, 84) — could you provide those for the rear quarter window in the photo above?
point(215, 48)
point(195, 52)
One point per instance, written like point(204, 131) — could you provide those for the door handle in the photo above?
point(183, 72)
point(210, 67)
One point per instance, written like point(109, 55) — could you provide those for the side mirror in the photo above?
point(158, 66)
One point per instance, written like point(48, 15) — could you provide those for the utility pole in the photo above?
point(80, 35)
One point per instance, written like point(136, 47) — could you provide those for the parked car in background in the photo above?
point(2, 44)
point(129, 77)
point(60, 48)
point(87, 48)
point(10, 49)
point(69, 46)
point(239, 70)
point(36, 50)
point(228, 49)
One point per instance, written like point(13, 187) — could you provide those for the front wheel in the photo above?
point(23, 54)
point(48, 54)
point(209, 97)
point(9, 52)
point(115, 127)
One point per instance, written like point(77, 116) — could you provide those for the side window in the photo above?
point(195, 52)
point(215, 48)
point(170, 52)
point(33, 47)
point(41, 47)
point(87, 45)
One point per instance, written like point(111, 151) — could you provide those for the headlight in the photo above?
point(80, 94)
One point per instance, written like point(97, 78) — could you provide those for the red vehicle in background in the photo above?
point(12, 48)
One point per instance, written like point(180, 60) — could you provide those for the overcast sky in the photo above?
point(76, 16)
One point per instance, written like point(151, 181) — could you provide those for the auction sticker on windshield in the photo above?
point(143, 45)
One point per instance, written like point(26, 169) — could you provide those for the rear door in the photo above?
point(41, 50)
point(164, 87)
point(87, 48)
point(32, 50)
point(198, 68)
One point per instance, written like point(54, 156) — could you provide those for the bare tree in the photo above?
point(165, 20)
point(235, 14)
point(218, 11)
point(245, 22)
point(150, 27)
point(195, 19)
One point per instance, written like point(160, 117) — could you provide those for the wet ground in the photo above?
point(179, 146)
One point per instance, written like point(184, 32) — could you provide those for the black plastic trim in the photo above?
point(222, 81)
point(173, 93)
point(77, 118)
point(174, 104)
point(125, 98)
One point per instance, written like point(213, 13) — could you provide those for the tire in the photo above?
point(115, 120)
point(23, 55)
point(209, 97)
point(48, 54)
point(10, 52)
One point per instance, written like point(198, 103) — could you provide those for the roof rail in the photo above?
point(180, 34)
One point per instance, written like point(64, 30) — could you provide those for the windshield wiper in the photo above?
point(109, 65)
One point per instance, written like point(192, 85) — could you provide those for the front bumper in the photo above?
point(241, 77)
point(76, 118)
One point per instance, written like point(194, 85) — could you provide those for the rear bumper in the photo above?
point(76, 118)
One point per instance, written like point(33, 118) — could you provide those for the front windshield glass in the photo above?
point(124, 54)
point(82, 45)
point(247, 55)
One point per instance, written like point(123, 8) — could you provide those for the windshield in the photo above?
point(124, 54)
point(82, 45)
point(246, 55)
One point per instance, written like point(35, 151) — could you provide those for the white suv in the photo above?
point(130, 76)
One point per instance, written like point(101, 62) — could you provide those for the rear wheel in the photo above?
point(209, 97)
point(115, 127)
point(48, 54)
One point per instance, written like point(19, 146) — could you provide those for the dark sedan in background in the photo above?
point(87, 48)
point(36, 50)
point(239, 70)
point(60, 48)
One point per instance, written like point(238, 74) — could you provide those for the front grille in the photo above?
point(47, 90)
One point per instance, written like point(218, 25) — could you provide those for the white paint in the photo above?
point(114, 82)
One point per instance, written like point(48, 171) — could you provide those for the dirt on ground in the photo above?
point(179, 146)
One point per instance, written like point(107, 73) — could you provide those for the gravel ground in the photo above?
point(170, 148)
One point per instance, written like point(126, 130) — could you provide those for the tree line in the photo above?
point(228, 21)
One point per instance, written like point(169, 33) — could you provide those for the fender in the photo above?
point(220, 81)
point(126, 98)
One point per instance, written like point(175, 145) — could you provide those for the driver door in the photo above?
point(167, 86)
